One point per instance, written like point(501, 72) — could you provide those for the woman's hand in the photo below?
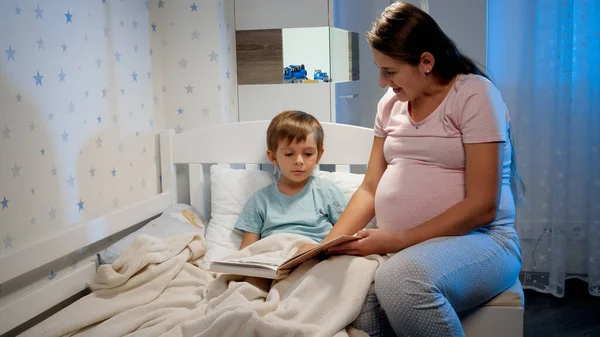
point(373, 241)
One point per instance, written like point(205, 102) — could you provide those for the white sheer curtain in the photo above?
point(544, 56)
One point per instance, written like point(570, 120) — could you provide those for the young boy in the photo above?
point(299, 202)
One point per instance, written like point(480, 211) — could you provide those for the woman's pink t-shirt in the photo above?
point(426, 160)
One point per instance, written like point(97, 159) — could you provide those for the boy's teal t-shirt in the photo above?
point(312, 212)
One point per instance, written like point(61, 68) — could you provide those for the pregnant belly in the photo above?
point(411, 193)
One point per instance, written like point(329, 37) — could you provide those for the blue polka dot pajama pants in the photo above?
point(420, 290)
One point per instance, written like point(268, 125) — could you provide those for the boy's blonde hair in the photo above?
point(294, 126)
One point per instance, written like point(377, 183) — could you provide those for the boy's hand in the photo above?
point(305, 247)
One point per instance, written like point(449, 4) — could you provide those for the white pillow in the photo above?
point(232, 188)
point(347, 183)
point(171, 222)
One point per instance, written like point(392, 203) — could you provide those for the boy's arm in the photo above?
point(250, 222)
point(249, 238)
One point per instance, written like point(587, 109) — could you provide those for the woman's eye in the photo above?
point(288, 154)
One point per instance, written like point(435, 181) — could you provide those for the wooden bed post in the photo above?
point(167, 165)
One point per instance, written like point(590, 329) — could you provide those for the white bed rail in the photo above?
point(245, 143)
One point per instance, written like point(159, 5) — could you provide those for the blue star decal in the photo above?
point(40, 43)
point(33, 221)
point(106, 30)
point(43, 152)
point(178, 129)
point(69, 17)
point(151, 123)
point(11, 53)
point(213, 56)
point(99, 62)
point(54, 169)
point(116, 203)
point(134, 76)
point(161, 4)
point(227, 74)
point(104, 91)
point(64, 47)
point(120, 147)
point(189, 89)
point(194, 7)
point(149, 75)
point(33, 191)
point(6, 133)
point(98, 142)
point(182, 63)
point(153, 25)
point(32, 126)
point(38, 12)
point(180, 111)
point(51, 116)
point(4, 203)
point(87, 93)
point(52, 212)
point(80, 204)
point(103, 1)
point(19, 97)
point(92, 172)
point(135, 47)
point(38, 79)
point(71, 180)
point(117, 57)
point(62, 76)
point(99, 119)
point(113, 172)
point(71, 108)
point(8, 241)
point(195, 35)
point(134, 24)
point(16, 170)
point(17, 11)
point(65, 136)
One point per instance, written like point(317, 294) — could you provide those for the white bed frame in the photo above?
point(238, 143)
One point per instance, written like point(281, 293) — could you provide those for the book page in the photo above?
point(321, 248)
point(266, 261)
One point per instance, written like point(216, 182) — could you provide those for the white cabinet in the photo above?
point(326, 35)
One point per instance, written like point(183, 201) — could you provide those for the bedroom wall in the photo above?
point(85, 87)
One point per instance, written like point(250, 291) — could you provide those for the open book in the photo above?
point(271, 268)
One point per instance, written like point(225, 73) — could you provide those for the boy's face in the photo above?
point(296, 160)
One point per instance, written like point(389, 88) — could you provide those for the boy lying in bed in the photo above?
point(298, 203)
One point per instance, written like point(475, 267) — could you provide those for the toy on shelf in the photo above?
point(319, 75)
point(294, 74)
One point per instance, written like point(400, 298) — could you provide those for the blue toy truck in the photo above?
point(319, 75)
point(294, 73)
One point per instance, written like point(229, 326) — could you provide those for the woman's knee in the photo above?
point(403, 283)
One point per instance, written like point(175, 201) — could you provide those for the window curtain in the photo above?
point(544, 56)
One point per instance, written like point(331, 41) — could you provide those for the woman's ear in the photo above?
point(427, 62)
point(272, 157)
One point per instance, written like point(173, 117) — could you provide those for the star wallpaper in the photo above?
point(85, 87)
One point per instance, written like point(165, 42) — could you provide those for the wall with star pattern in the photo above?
point(84, 88)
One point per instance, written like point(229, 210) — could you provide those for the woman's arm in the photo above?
point(248, 239)
point(361, 207)
point(483, 181)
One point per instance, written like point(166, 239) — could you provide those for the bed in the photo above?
point(206, 176)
